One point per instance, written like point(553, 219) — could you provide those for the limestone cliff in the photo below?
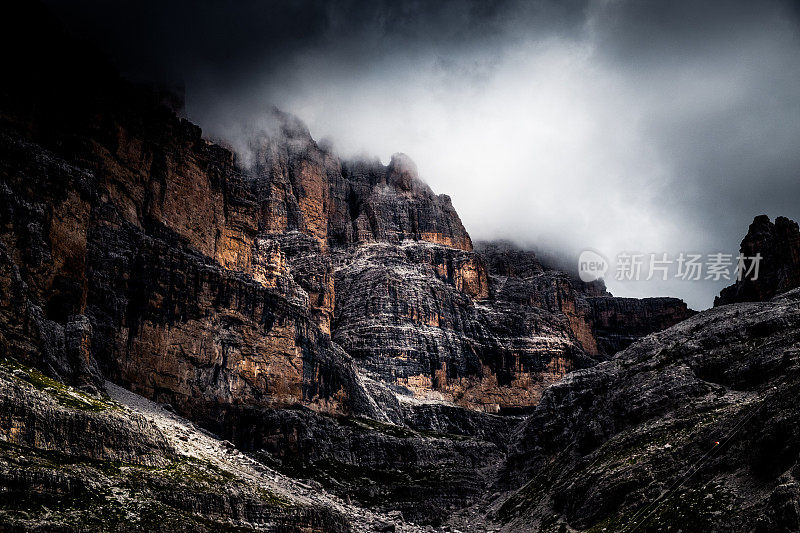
point(202, 282)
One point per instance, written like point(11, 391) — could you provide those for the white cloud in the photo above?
point(554, 141)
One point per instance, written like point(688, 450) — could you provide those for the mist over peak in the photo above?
point(619, 126)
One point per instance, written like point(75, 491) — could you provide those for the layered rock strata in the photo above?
point(199, 282)
point(315, 311)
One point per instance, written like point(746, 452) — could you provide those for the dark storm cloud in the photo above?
point(183, 38)
point(178, 39)
point(615, 124)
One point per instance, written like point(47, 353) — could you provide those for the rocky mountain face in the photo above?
point(693, 427)
point(330, 318)
point(601, 323)
point(143, 253)
point(778, 245)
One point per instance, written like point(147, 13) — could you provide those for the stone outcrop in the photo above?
point(169, 313)
point(778, 245)
point(371, 202)
point(291, 177)
point(405, 315)
point(43, 414)
point(419, 468)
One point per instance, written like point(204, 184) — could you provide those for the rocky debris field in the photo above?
point(155, 470)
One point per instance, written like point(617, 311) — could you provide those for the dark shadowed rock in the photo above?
point(375, 203)
point(778, 244)
point(402, 172)
point(603, 324)
point(618, 322)
point(712, 396)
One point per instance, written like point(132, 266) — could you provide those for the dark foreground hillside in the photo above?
point(696, 427)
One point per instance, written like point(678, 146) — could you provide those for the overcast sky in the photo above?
point(622, 126)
